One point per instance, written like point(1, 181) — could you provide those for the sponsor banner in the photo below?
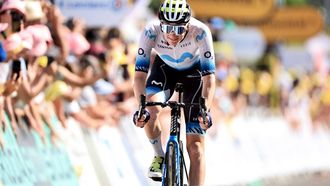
point(96, 12)
point(291, 56)
point(238, 10)
point(113, 157)
point(28, 161)
point(30, 166)
point(293, 23)
point(12, 169)
point(79, 155)
point(257, 146)
point(248, 43)
point(253, 146)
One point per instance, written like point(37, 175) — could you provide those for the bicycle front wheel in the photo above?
point(181, 163)
point(172, 169)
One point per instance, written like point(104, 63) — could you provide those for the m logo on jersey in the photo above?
point(201, 36)
point(150, 35)
point(183, 57)
point(153, 141)
point(157, 83)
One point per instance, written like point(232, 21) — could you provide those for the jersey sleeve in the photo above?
point(205, 44)
point(146, 43)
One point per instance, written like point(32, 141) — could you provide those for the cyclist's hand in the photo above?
point(208, 123)
point(141, 122)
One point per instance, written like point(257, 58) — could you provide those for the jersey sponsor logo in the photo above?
point(140, 51)
point(207, 54)
point(150, 35)
point(164, 42)
point(201, 36)
point(162, 46)
point(157, 83)
point(185, 45)
point(183, 57)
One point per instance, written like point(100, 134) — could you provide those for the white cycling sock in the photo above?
point(157, 145)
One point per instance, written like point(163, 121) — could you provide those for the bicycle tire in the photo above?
point(171, 176)
point(181, 163)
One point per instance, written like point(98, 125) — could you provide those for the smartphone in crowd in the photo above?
point(17, 19)
point(16, 68)
point(50, 60)
point(102, 57)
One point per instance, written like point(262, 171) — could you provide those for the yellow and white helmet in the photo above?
point(174, 11)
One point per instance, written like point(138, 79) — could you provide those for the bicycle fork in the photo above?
point(174, 159)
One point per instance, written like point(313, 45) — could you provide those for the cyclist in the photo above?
point(184, 53)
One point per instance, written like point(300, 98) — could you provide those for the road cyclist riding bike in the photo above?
point(174, 167)
point(184, 54)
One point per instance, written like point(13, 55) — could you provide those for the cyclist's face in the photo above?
point(173, 33)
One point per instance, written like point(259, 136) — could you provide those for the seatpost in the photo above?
point(176, 112)
point(179, 88)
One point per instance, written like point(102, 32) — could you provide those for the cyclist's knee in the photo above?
point(195, 150)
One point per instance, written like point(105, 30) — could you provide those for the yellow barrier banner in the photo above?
point(238, 10)
point(293, 23)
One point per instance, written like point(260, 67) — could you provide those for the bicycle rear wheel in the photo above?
point(171, 172)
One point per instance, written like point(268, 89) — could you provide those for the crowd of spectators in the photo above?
point(50, 64)
point(273, 89)
point(55, 65)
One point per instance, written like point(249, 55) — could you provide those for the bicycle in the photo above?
point(174, 158)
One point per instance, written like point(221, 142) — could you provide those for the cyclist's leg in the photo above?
point(196, 151)
point(195, 134)
point(158, 88)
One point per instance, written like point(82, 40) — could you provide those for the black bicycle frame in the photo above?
point(174, 144)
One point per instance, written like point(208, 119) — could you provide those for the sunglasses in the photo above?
point(177, 30)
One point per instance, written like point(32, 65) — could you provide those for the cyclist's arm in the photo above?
point(208, 89)
point(147, 42)
point(205, 43)
point(139, 84)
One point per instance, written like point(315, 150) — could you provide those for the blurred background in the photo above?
point(66, 98)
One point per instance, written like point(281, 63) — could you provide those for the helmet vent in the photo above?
point(175, 11)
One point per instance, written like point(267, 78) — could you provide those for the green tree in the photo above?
point(154, 6)
point(296, 2)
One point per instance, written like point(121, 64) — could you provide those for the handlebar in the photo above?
point(172, 104)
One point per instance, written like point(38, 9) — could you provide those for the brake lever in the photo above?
point(142, 106)
point(202, 108)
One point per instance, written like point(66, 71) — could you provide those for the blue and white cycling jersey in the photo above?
point(196, 47)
